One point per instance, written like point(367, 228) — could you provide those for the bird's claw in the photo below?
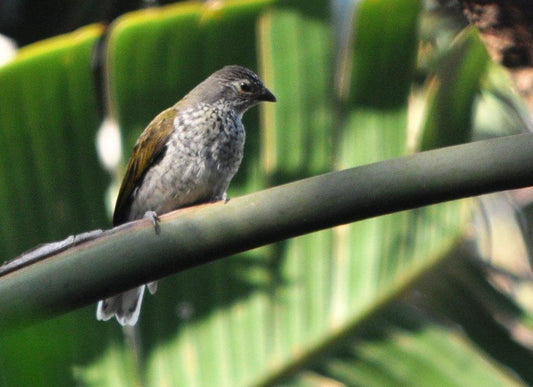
point(225, 197)
point(154, 218)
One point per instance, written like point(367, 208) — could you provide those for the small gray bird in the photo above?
point(187, 155)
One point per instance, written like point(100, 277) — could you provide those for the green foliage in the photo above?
point(320, 306)
point(48, 119)
point(384, 53)
point(453, 92)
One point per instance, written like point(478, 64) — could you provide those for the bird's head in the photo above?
point(233, 87)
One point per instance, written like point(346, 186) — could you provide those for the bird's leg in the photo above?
point(154, 218)
point(225, 197)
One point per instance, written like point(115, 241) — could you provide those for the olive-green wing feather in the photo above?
point(150, 145)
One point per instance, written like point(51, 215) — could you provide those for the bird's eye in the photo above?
point(245, 87)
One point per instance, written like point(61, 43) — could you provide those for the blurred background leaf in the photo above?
point(48, 119)
point(392, 300)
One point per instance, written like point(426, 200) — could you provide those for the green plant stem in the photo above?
point(131, 255)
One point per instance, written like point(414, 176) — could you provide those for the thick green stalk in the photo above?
point(131, 255)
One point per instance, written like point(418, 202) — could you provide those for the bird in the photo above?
point(187, 155)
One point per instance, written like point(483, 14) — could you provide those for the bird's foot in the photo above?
point(154, 218)
point(225, 197)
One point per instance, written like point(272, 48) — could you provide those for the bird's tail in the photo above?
point(126, 306)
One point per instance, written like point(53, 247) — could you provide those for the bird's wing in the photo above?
point(149, 148)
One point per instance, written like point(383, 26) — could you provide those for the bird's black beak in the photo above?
point(266, 95)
